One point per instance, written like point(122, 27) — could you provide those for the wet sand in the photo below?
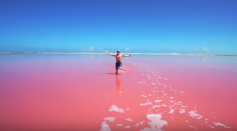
point(82, 92)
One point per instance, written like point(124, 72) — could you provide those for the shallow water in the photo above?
point(82, 92)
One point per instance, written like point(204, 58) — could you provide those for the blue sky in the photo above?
point(161, 26)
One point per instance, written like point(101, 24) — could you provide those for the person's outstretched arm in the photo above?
point(109, 53)
point(126, 55)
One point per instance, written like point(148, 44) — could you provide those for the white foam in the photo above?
point(158, 101)
point(128, 119)
point(140, 82)
point(145, 104)
point(127, 127)
point(158, 106)
point(192, 127)
point(181, 111)
point(142, 122)
point(171, 111)
point(193, 114)
point(155, 122)
point(110, 118)
point(105, 126)
point(137, 124)
point(220, 124)
point(211, 126)
point(116, 109)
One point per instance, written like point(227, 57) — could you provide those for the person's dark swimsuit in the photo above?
point(118, 64)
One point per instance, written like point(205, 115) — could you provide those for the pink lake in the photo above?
point(82, 92)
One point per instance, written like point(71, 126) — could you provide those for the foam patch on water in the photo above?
point(193, 114)
point(128, 119)
point(211, 126)
point(158, 101)
point(192, 127)
point(220, 124)
point(105, 126)
point(110, 118)
point(155, 122)
point(127, 126)
point(181, 111)
point(171, 111)
point(145, 104)
point(116, 109)
point(137, 124)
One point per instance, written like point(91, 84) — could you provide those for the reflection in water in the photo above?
point(119, 85)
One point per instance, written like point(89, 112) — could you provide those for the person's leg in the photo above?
point(120, 67)
point(116, 67)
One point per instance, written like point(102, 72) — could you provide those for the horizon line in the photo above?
point(114, 53)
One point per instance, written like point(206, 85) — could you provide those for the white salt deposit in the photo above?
point(110, 118)
point(220, 124)
point(105, 126)
point(171, 111)
point(181, 111)
point(128, 119)
point(145, 104)
point(192, 127)
point(116, 109)
point(155, 122)
point(158, 101)
point(193, 114)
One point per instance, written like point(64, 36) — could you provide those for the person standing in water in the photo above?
point(118, 57)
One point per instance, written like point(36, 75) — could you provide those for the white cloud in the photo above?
point(205, 49)
point(126, 48)
point(91, 49)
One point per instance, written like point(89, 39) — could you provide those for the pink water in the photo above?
point(81, 92)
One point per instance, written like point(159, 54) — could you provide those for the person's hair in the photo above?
point(117, 52)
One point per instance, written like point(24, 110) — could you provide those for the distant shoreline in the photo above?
point(113, 53)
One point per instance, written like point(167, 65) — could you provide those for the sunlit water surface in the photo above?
point(82, 92)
